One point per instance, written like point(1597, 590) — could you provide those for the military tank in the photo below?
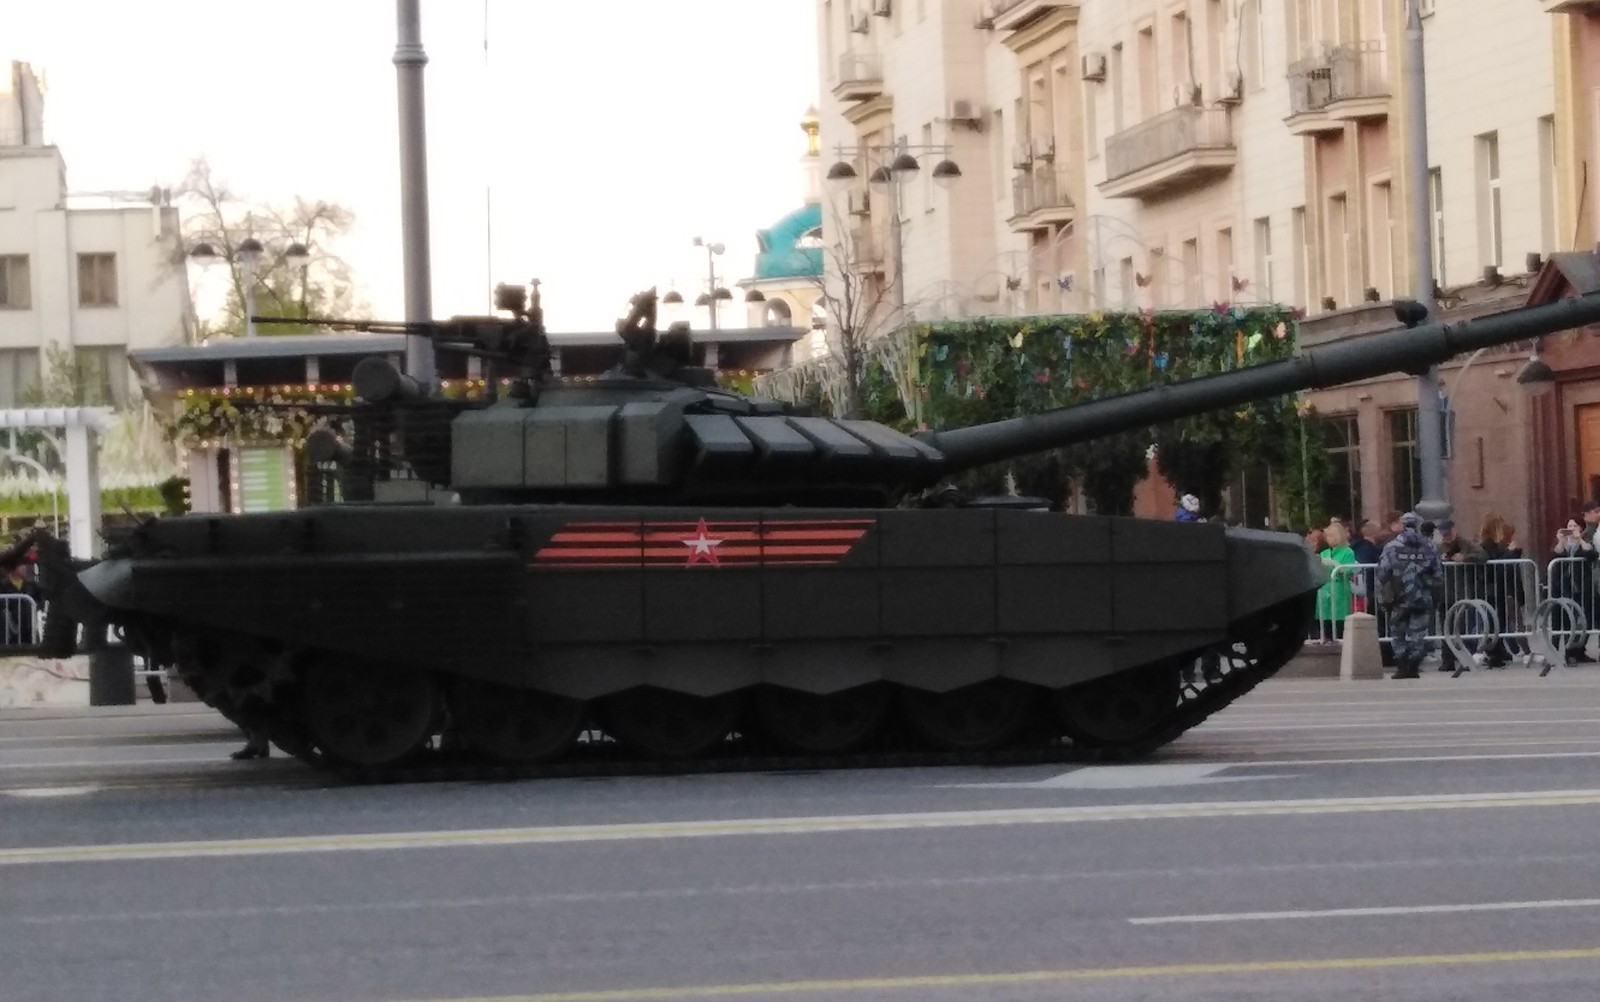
point(646, 569)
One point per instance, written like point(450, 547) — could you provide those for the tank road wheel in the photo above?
point(670, 725)
point(517, 726)
point(976, 717)
point(1120, 709)
point(833, 724)
point(369, 716)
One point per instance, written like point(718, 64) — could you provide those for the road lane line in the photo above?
point(1209, 728)
point(852, 985)
point(392, 841)
point(1491, 906)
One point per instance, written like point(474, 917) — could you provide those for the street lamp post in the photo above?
point(249, 255)
point(714, 293)
point(1434, 504)
point(891, 167)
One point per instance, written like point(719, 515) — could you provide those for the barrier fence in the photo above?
point(20, 622)
point(1493, 611)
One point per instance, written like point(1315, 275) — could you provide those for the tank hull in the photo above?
point(583, 607)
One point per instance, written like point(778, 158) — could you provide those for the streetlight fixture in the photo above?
point(299, 256)
point(249, 254)
point(892, 167)
point(714, 293)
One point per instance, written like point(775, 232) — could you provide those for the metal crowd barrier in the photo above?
point(1504, 605)
point(20, 622)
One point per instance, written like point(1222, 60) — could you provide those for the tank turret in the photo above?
point(656, 429)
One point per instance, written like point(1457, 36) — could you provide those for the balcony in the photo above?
point(860, 77)
point(1040, 200)
point(866, 251)
point(1010, 15)
point(1176, 149)
point(1338, 84)
point(1360, 82)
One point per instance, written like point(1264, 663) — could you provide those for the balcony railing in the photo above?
point(1009, 15)
point(1039, 198)
point(860, 76)
point(866, 251)
point(1360, 71)
point(1167, 136)
point(1357, 71)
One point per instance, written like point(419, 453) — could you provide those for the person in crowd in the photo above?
point(1410, 585)
point(1333, 598)
point(1573, 577)
point(1503, 587)
point(1466, 562)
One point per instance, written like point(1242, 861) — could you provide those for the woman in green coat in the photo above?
point(1333, 598)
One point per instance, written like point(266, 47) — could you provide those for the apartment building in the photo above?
point(1150, 153)
point(98, 273)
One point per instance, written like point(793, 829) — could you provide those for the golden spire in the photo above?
point(813, 129)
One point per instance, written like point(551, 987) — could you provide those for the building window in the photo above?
point(1338, 271)
point(1407, 463)
point(927, 175)
point(1255, 45)
point(19, 376)
point(1091, 119)
point(1117, 96)
point(97, 280)
point(1549, 227)
point(1382, 230)
point(1160, 274)
point(1099, 288)
point(1192, 287)
point(1148, 83)
point(777, 314)
point(104, 369)
point(1264, 259)
point(1341, 491)
point(1489, 229)
point(1125, 275)
point(1301, 277)
point(1225, 293)
point(16, 291)
point(1436, 213)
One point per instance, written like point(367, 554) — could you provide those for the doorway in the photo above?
point(1588, 422)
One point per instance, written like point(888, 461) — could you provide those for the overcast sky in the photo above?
point(609, 132)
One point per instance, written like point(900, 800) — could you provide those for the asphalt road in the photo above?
point(1319, 840)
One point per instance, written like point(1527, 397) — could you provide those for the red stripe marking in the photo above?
point(595, 537)
point(684, 537)
point(841, 534)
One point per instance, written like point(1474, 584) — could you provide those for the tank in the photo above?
point(645, 569)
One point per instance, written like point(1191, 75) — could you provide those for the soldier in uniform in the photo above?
point(1410, 582)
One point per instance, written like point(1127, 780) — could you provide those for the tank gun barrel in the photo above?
point(1406, 350)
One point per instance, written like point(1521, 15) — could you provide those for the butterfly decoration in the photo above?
point(1064, 283)
point(1016, 339)
point(941, 353)
point(1280, 331)
point(1240, 284)
point(1013, 284)
point(1160, 360)
point(1042, 377)
point(1141, 280)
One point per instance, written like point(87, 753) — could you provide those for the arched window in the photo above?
point(810, 240)
point(777, 314)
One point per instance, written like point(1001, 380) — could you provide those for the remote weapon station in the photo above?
point(646, 568)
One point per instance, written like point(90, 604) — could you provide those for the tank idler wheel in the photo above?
point(831, 724)
point(664, 724)
point(366, 715)
point(516, 726)
point(1121, 708)
point(979, 717)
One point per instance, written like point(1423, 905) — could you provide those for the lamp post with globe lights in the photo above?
point(249, 255)
point(891, 167)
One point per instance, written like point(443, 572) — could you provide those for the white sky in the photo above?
point(611, 132)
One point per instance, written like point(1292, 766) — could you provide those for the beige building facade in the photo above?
point(1124, 154)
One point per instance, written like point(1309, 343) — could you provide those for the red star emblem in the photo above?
point(702, 547)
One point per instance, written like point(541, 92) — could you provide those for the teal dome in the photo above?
point(791, 247)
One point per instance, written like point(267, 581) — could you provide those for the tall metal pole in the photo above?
point(249, 298)
point(897, 237)
point(711, 283)
point(1434, 504)
point(409, 60)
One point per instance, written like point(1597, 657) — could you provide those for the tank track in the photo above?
point(257, 698)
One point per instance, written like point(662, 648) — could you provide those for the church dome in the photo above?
point(791, 247)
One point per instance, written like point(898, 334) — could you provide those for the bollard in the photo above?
point(1359, 657)
point(111, 677)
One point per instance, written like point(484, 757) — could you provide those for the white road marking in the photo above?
point(501, 837)
point(1125, 777)
point(52, 791)
point(1493, 906)
point(1209, 728)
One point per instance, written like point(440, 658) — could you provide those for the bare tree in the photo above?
point(857, 292)
point(217, 216)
